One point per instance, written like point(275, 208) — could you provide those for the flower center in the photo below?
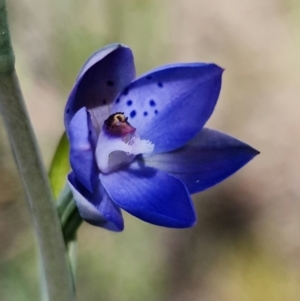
point(118, 143)
point(117, 125)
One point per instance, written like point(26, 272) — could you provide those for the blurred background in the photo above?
point(246, 245)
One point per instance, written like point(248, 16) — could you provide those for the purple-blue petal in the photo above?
point(96, 208)
point(101, 79)
point(151, 195)
point(82, 151)
point(170, 105)
point(206, 160)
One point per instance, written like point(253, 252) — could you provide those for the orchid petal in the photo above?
point(170, 105)
point(97, 208)
point(82, 158)
point(151, 195)
point(205, 161)
point(101, 79)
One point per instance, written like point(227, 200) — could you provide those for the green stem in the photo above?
point(72, 251)
point(44, 215)
point(70, 218)
point(71, 225)
point(64, 199)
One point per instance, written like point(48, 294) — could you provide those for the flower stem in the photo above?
point(70, 218)
point(72, 251)
point(52, 248)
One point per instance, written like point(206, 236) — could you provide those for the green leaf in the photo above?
point(60, 165)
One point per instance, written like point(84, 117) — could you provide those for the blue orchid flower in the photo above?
point(139, 144)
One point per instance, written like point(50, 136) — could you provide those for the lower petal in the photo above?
point(96, 208)
point(206, 160)
point(151, 195)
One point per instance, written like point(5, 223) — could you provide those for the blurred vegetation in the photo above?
point(246, 245)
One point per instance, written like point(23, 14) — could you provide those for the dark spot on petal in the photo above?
point(160, 84)
point(152, 103)
point(145, 113)
point(129, 102)
point(90, 132)
point(155, 111)
point(68, 111)
point(117, 100)
point(125, 92)
point(104, 101)
point(110, 83)
point(149, 77)
point(132, 113)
